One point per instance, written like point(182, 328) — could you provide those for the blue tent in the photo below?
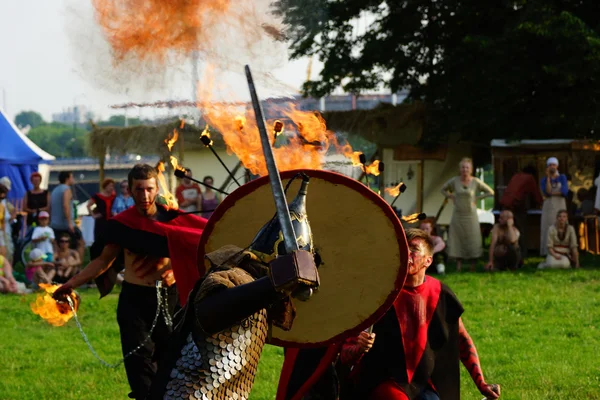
point(19, 157)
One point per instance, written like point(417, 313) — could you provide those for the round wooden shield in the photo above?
point(358, 236)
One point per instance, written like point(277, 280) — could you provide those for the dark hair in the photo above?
point(64, 235)
point(414, 233)
point(562, 211)
point(530, 169)
point(107, 182)
point(64, 176)
point(208, 177)
point(3, 189)
point(141, 171)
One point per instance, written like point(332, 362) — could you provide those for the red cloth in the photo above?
point(388, 390)
point(183, 235)
point(519, 186)
point(414, 308)
point(108, 201)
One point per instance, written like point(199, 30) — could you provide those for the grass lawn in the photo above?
point(537, 334)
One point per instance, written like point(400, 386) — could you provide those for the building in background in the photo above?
point(78, 114)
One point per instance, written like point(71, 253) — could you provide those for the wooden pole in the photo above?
point(420, 184)
point(101, 174)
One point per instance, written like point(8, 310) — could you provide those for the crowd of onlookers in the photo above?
point(57, 245)
point(508, 246)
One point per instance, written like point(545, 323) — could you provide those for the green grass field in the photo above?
point(537, 334)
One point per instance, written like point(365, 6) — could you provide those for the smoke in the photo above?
point(144, 48)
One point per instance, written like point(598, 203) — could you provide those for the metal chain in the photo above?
point(161, 305)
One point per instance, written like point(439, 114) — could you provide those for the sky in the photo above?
point(54, 56)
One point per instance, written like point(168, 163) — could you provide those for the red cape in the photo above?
point(414, 309)
point(183, 235)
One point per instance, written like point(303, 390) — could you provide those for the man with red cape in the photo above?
point(156, 243)
point(412, 353)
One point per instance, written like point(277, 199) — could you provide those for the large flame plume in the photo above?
point(152, 31)
point(169, 199)
point(307, 135)
point(56, 314)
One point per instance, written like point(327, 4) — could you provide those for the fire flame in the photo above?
point(412, 218)
point(170, 141)
point(170, 200)
point(395, 191)
point(373, 169)
point(307, 136)
point(205, 137)
point(56, 314)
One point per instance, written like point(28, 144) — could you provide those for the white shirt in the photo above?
point(45, 245)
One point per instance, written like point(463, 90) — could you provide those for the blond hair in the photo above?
point(466, 159)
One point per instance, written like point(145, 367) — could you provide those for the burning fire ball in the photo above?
point(54, 312)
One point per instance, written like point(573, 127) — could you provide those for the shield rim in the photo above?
point(338, 179)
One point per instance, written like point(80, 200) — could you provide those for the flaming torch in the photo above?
point(277, 129)
point(54, 312)
point(207, 141)
point(181, 173)
point(412, 218)
point(396, 191)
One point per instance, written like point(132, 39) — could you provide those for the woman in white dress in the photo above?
point(464, 237)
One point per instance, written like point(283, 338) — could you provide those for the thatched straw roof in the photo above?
point(386, 125)
point(144, 139)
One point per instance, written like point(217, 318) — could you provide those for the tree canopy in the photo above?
point(60, 140)
point(505, 69)
point(31, 118)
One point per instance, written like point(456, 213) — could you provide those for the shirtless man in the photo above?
point(146, 263)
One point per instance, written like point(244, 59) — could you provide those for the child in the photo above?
point(8, 284)
point(37, 270)
point(43, 236)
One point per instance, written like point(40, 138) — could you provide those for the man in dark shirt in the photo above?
point(522, 194)
point(414, 350)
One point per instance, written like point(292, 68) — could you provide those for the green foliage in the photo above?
point(508, 69)
point(30, 118)
point(60, 140)
point(536, 333)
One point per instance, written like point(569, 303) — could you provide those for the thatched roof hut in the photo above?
point(145, 139)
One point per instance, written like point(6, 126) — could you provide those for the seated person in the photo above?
point(504, 247)
point(8, 284)
point(43, 236)
point(439, 255)
point(562, 244)
point(67, 260)
point(37, 270)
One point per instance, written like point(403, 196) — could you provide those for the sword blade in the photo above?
point(283, 212)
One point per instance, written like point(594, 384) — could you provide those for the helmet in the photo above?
point(268, 244)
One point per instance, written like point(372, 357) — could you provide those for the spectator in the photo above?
point(439, 245)
point(555, 189)
point(189, 195)
point(522, 194)
point(561, 244)
point(504, 248)
point(6, 213)
point(38, 270)
point(43, 236)
point(464, 237)
point(101, 212)
point(210, 199)
point(67, 260)
point(123, 201)
point(62, 212)
point(8, 284)
point(36, 199)
point(9, 215)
